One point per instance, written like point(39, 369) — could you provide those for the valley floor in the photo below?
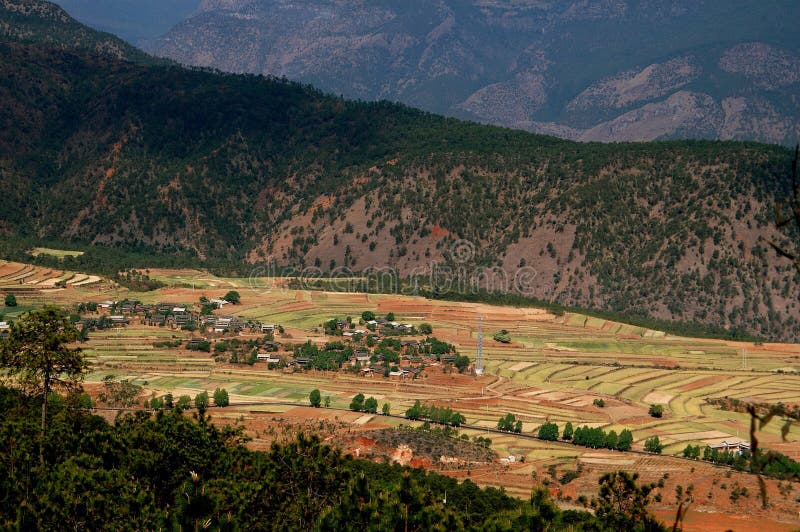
point(553, 370)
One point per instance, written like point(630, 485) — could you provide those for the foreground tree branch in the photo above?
point(37, 357)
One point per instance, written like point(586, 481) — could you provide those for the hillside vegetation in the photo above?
point(253, 170)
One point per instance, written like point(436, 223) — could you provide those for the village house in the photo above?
point(222, 324)
point(179, 319)
point(196, 341)
point(737, 447)
point(360, 357)
point(413, 372)
point(156, 319)
point(119, 320)
point(218, 303)
point(269, 358)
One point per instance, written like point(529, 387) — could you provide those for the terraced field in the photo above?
point(552, 370)
point(23, 277)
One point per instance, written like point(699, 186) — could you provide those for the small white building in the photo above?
point(269, 358)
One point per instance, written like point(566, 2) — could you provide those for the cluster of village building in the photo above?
point(357, 349)
point(178, 316)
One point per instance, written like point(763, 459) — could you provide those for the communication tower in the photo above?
point(479, 356)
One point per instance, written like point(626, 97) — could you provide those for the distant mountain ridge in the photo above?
point(139, 22)
point(254, 170)
point(611, 70)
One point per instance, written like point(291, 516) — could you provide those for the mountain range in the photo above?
point(111, 151)
point(604, 70)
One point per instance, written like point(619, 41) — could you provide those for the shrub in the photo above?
point(221, 397)
point(507, 423)
point(184, 402)
point(199, 346)
point(315, 398)
point(232, 297)
point(653, 445)
point(625, 440)
point(567, 434)
point(502, 337)
point(201, 401)
point(548, 431)
point(371, 405)
point(357, 404)
point(569, 476)
point(461, 363)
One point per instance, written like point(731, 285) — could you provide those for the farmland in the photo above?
point(552, 370)
point(59, 253)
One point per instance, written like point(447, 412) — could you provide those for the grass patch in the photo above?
point(58, 253)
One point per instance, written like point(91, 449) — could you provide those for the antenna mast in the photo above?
point(479, 356)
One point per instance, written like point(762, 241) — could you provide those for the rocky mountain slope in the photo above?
point(256, 170)
point(606, 70)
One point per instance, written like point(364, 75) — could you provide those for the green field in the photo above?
point(60, 253)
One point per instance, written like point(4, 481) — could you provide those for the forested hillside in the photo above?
point(256, 170)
